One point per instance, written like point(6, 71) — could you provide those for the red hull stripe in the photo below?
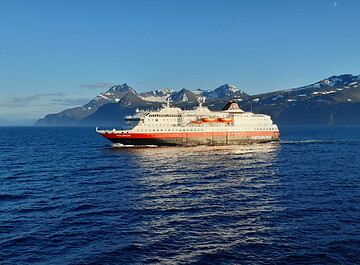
point(187, 134)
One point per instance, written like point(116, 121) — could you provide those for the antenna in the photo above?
point(201, 100)
point(256, 100)
point(168, 102)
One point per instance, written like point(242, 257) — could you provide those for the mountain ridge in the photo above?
point(78, 115)
point(336, 97)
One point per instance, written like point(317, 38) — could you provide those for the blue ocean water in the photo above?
point(68, 197)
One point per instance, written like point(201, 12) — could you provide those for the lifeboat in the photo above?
point(209, 119)
point(228, 119)
point(197, 122)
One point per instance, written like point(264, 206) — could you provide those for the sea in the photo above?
point(68, 196)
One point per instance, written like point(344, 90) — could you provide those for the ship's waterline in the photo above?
point(173, 126)
point(205, 138)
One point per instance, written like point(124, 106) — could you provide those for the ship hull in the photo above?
point(208, 138)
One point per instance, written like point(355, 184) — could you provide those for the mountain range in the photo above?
point(333, 100)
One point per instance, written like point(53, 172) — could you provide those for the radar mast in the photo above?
point(201, 100)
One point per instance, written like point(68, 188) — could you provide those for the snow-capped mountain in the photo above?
point(113, 95)
point(74, 115)
point(336, 81)
point(225, 91)
point(157, 95)
point(185, 95)
point(334, 100)
point(342, 88)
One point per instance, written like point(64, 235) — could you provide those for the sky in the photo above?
point(60, 54)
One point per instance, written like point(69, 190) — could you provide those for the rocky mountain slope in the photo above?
point(75, 115)
point(185, 95)
point(110, 106)
point(225, 91)
point(334, 100)
point(335, 81)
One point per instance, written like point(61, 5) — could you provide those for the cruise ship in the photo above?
point(171, 126)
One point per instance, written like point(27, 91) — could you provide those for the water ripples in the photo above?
point(70, 201)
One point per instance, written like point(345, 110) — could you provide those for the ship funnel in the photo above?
point(232, 105)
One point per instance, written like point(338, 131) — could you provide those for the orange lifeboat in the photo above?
point(197, 122)
point(209, 119)
point(228, 119)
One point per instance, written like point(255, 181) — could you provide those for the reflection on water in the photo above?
point(199, 201)
point(66, 200)
point(158, 154)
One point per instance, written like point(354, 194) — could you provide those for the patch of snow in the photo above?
point(292, 99)
point(197, 92)
point(162, 92)
point(324, 92)
point(101, 96)
point(339, 89)
point(155, 98)
point(233, 88)
point(333, 81)
point(303, 95)
point(185, 98)
point(353, 83)
point(349, 99)
point(89, 107)
point(277, 97)
point(117, 100)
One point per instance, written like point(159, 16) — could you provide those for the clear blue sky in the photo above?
point(60, 54)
